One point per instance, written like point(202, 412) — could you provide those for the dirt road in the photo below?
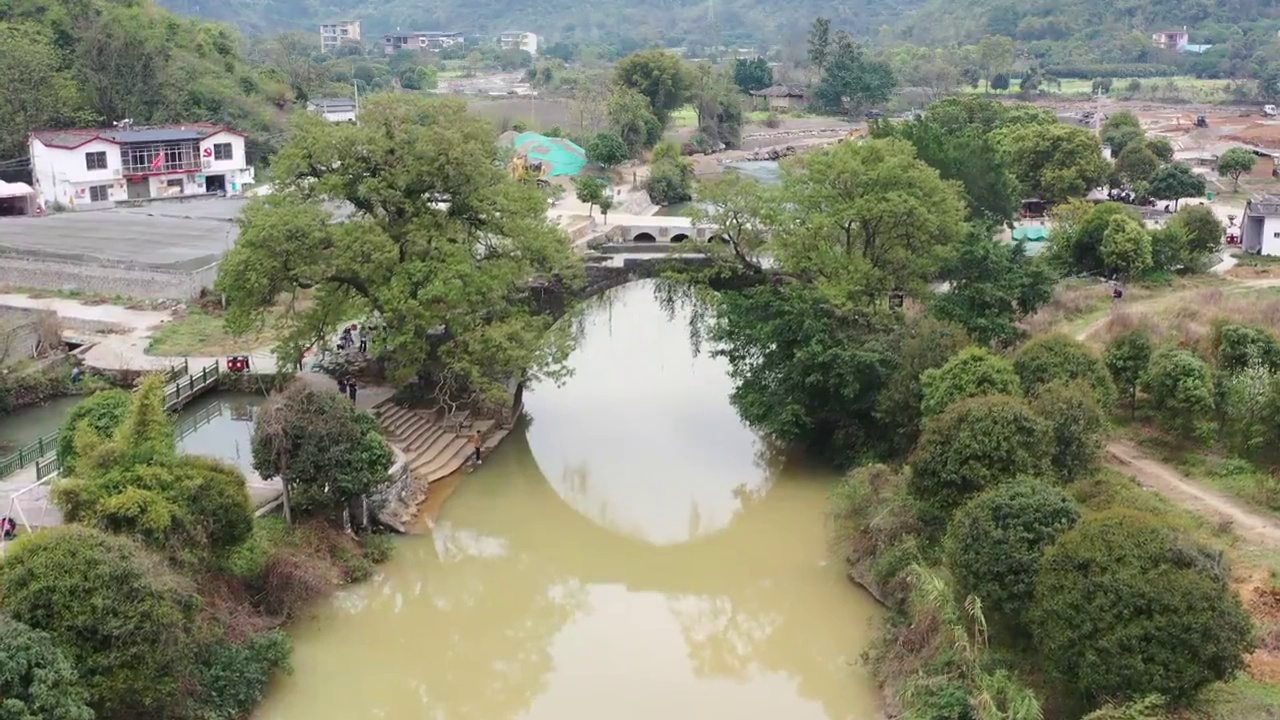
point(1254, 527)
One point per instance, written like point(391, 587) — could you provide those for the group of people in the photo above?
point(354, 336)
point(347, 386)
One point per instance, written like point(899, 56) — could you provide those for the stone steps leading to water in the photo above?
point(431, 451)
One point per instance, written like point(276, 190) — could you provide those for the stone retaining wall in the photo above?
point(136, 281)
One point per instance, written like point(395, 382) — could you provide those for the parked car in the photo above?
point(874, 114)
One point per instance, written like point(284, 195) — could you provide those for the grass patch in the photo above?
point(1079, 303)
point(1188, 319)
point(1241, 699)
point(202, 334)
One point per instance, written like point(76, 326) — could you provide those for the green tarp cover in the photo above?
point(1031, 232)
point(562, 157)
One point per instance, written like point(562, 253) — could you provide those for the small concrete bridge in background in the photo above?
point(653, 229)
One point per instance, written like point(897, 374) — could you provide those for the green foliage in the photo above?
point(974, 445)
point(326, 450)
point(803, 372)
point(1181, 388)
point(1249, 410)
point(632, 118)
point(1127, 358)
point(1118, 131)
point(875, 529)
point(1135, 166)
point(1148, 708)
point(717, 102)
point(1202, 229)
point(1237, 347)
point(993, 285)
point(670, 181)
point(1126, 248)
point(994, 543)
point(1076, 243)
point(954, 137)
point(861, 219)
point(851, 79)
point(1176, 181)
point(40, 90)
point(101, 413)
point(590, 190)
point(1060, 358)
point(233, 677)
point(1236, 162)
point(659, 76)
point(1053, 162)
point(973, 372)
point(456, 313)
point(37, 682)
point(606, 149)
point(752, 74)
point(1078, 424)
point(121, 617)
point(377, 547)
point(922, 343)
point(1126, 608)
point(136, 484)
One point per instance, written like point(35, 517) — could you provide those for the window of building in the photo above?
point(95, 160)
point(222, 151)
point(99, 193)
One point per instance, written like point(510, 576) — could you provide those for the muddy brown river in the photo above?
point(631, 552)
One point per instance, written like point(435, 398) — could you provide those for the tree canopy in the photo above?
point(1053, 162)
point(1124, 608)
point(37, 681)
point(659, 76)
point(438, 241)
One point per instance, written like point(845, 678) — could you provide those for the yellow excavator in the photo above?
point(523, 170)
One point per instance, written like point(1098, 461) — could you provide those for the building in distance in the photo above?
point(334, 34)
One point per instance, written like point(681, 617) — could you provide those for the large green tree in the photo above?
point(852, 80)
point(1124, 608)
point(922, 343)
point(1181, 388)
point(752, 74)
point(37, 682)
point(993, 285)
point(631, 117)
point(1053, 162)
point(1202, 230)
point(438, 241)
point(658, 75)
point(1061, 358)
point(326, 450)
point(1234, 163)
point(1175, 182)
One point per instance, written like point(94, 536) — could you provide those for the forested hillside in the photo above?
point(67, 63)
point(746, 22)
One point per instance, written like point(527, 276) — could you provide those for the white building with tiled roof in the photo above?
point(95, 168)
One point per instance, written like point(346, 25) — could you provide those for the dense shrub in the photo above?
point(1078, 426)
point(1181, 390)
point(121, 616)
point(973, 372)
point(1125, 608)
point(974, 445)
point(102, 413)
point(1059, 358)
point(923, 343)
point(233, 677)
point(1127, 358)
point(1236, 347)
point(1249, 410)
point(37, 682)
point(995, 541)
point(137, 484)
point(327, 451)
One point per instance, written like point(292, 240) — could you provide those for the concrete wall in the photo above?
point(20, 332)
point(138, 281)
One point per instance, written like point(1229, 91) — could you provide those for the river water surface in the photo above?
point(630, 552)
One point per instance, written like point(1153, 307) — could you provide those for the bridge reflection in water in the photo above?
point(630, 552)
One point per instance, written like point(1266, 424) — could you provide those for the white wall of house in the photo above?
point(1271, 235)
point(63, 175)
point(526, 41)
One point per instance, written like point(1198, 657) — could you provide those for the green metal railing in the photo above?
point(28, 454)
point(43, 452)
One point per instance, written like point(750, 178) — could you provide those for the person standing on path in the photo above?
point(475, 446)
point(342, 384)
point(351, 389)
point(364, 338)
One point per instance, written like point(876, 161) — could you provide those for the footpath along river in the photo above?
point(632, 551)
